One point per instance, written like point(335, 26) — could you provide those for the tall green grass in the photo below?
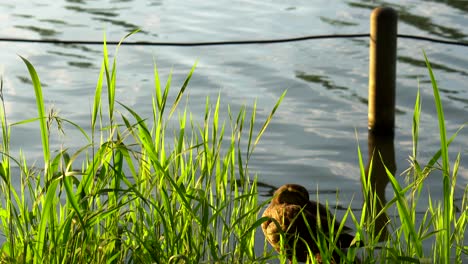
point(142, 191)
point(145, 193)
point(442, 227)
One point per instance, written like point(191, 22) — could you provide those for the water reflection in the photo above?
point(322, 80)
point(267, 190)
point(43, 32)
point(67, 54)
point(126, 25)
point(76, 1)
point(380, 149)
point(81, 64)
point(457, 4)
point(423, 23)
point(337, 22)
point(435, 66)
point(426, 24)
point(54, 21)
point(84, 48)
point(23, 16)
point(458, 99)
point(93, 11)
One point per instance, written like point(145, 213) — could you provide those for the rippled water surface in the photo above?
point(312, 139)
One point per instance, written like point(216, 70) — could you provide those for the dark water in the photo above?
point(312, 139)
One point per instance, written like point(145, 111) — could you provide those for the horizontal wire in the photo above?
point(184, 44)
point(222, 43)
point(442, 41)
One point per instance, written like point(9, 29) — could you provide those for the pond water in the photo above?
point(312, 138)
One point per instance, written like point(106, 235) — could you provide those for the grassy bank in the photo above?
point(141, 191)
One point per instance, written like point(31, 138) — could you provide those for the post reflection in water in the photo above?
point(381, 155)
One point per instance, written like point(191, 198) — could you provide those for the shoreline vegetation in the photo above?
point(141, 191)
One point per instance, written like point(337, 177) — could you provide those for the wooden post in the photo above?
point(382, 71)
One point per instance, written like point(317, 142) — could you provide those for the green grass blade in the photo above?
point(267, 121)
point(404, 212)
point(415, 128)
point(97, 98)
point(41, 112)
point(252, 125)
point(48, 205)
point(160, 100)
point(448, 202)
point(182, 90)
point(72, 198)
point(108, 76)
point(440, 116)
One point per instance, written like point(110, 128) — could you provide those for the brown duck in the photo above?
point(289, 206)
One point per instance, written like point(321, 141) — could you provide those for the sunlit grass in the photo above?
point(442, 227)
point(142, 191)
